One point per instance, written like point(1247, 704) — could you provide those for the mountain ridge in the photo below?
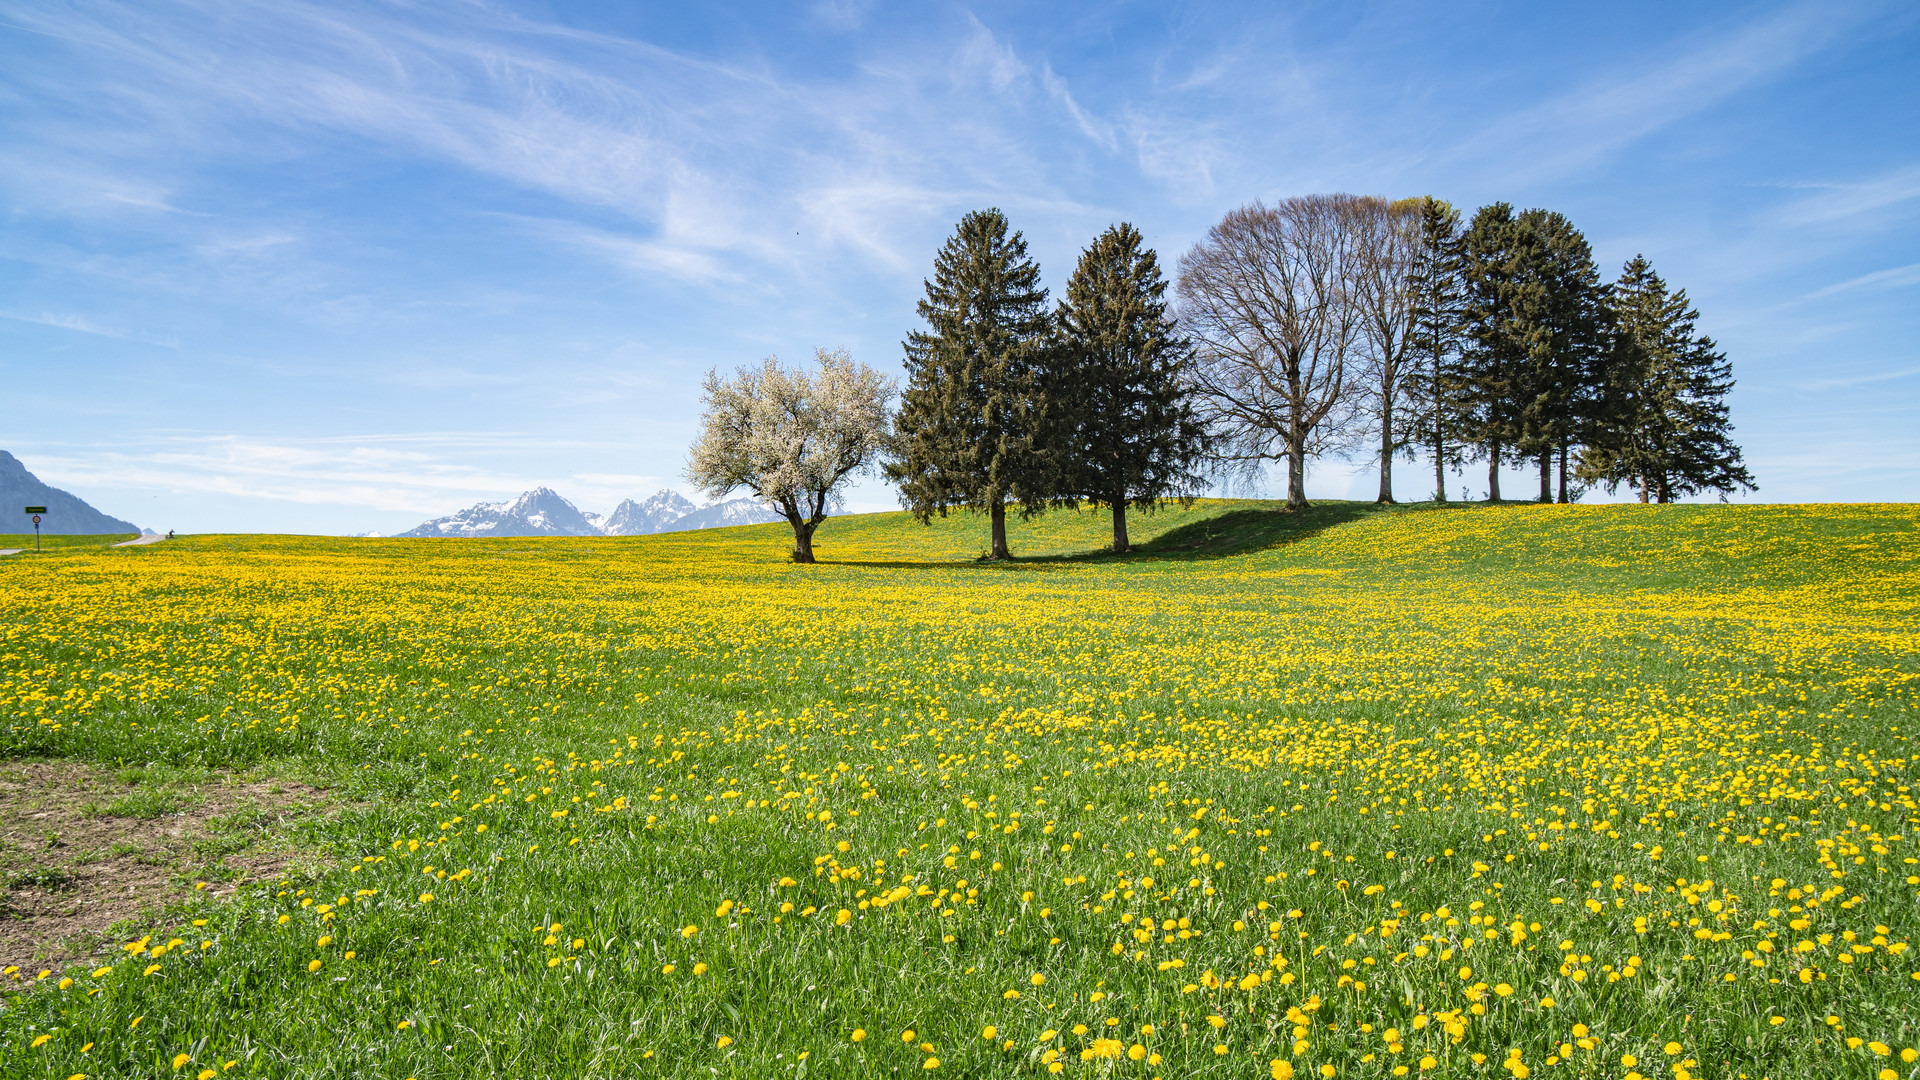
point(544, 512)
point(67, 514)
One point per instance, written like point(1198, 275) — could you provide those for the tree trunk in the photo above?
point(1546, 475)
point(1663, 491)
point(1120, 544)
point(802, 542)
point(1493, 474)
point(1296, 477)
point(1439, 441)
point(1386, 453)
point(1643, 491)
point(999, 515)
point(1563, 472)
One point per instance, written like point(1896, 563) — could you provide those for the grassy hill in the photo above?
point(1459, 791)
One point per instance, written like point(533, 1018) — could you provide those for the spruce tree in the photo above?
point(1438, 296)
point(1125, 428)
point(1552, 396)
point(1665, 422)
point(1504, 331)
point(969, 431)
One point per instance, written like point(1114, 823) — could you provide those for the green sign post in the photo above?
point(36, 511)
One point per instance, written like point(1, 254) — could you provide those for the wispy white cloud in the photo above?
point(1891, 278)
point(407, 472)
point(1585, 124)
point(1848, 200)
point(1847, 382)
point(1094, 130)
point(841, 15)
point(63, 321)
point(983, 57)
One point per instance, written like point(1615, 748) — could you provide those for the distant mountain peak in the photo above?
point(544, 512)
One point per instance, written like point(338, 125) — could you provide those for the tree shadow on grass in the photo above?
point(1236, 532)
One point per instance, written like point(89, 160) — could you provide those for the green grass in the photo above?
point(1347, 736)
point(50, 542)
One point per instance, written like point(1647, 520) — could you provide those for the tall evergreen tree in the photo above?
point(1570, 333)
point(972, 414)
point(1665, 425)
point(1504, 331)
point(1438, 296)
point(1122, 416)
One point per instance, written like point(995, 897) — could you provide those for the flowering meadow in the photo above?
point(1609, 792)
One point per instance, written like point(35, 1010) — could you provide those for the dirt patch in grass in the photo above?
point(87, 853)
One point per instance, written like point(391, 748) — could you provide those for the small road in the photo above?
point(153, 538)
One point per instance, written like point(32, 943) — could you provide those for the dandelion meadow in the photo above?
point(1496, 791)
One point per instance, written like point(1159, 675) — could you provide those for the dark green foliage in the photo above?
point(969, 431)
point(1662, 422)
point(1127, 432)
point(1570, 340)
point(1535, 331)
point(1501, 330)
point(1438, 295)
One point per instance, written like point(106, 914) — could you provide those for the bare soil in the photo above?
point(87, 854)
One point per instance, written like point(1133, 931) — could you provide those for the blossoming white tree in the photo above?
point(793, 438)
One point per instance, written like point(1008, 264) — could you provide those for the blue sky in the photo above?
point(341, 267)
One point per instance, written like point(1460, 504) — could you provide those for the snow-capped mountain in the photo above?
point(720, 515)
point(543, 512)
point(540, 512)
point(655, 515)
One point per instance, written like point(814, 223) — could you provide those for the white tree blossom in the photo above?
point(793, 438)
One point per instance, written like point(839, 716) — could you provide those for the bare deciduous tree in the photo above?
point(1267, 298)
point(791, 437)
point(1387, 259)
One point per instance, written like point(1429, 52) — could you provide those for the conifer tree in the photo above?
point(1504, 330)
point(1553, 393)
point(1438, 300)
point(1664, 426)
point(1125, 427)
point(969, 431)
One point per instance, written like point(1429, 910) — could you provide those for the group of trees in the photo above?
point(1352, 324)
point(1320, 324)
